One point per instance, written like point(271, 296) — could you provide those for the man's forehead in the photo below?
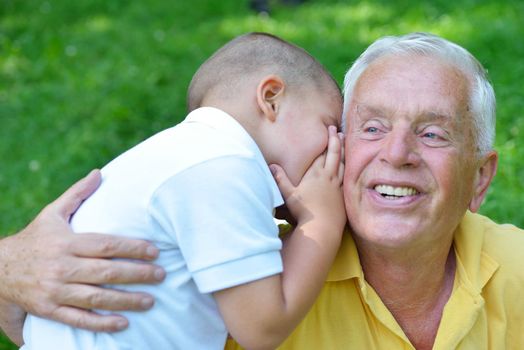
point(417, 86)
point(367, 111)
point(413, 71)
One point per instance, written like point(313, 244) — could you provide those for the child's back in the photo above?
point(149, 192)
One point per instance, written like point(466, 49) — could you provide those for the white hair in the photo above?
point(481, 99)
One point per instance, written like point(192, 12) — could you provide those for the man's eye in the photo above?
point(431, 135)
point(435, 137)
point(372, 130)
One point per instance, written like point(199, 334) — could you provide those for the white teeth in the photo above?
point(386, 190)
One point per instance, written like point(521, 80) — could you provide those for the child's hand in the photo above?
point(318, 196)
point(279, 302)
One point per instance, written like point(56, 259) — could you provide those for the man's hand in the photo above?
point(48, 271)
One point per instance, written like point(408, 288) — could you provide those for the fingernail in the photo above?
point(273, 169)
point(121, 324)
point(159, 274)
point(147, 302)
point(152, 252)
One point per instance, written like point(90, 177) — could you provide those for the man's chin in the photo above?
point(387, 233)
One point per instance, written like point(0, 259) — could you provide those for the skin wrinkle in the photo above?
point(365, 113)
point(463, 121)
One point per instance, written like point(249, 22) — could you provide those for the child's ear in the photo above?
point(270, 91)
point(485, 174)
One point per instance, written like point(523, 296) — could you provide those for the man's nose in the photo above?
point(401, 149)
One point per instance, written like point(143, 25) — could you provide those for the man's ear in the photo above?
point(485, 174)
point(270, 91)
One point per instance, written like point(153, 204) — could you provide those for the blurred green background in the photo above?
point(81, 81)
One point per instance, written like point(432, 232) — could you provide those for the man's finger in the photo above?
point(92, 297)
point(90, 320)
point(109, 246)
point(70, 200)
point(101, 271)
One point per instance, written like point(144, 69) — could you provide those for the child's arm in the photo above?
point(261, 314)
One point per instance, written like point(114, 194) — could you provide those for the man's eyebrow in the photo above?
point(363, 109)
point(429, 116)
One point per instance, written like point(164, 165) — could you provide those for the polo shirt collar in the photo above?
point(474, 267)
point(347, 263)
point(226, 124)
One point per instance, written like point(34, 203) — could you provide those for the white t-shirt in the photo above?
point(202, 192)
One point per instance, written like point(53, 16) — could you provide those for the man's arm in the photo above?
point(50, 272)
point(12, 319)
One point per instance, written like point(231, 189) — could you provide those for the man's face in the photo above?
point(410, 152)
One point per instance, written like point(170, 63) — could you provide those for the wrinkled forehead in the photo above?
point(411, 84)
point(362, 111)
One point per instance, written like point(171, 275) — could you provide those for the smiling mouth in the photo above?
point(392, 192)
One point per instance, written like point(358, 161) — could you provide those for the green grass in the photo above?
point(81, 81)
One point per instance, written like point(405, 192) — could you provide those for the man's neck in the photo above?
point(415, 289)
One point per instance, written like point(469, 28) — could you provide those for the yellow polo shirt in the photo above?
point(485, 310)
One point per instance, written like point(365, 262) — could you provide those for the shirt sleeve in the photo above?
point(219, 213)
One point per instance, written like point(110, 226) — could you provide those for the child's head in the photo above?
point(279, 93)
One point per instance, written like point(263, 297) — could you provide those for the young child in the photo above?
point(202, 191)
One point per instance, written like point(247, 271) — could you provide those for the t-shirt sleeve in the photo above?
point(219, 213)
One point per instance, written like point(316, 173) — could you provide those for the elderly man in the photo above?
point(418, 270)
